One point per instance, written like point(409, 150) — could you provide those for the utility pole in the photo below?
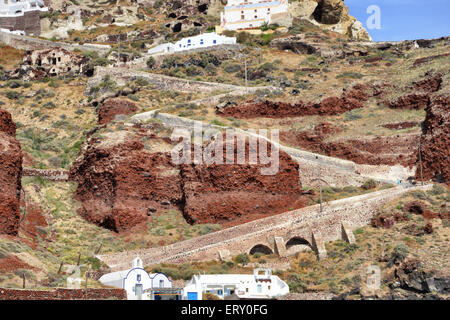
point(246, 78)
point(420, 159)
point(320, 186)
point(320, 189)
point(118, 54)
point(60, 267)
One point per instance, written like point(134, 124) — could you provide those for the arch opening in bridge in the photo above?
point(260, 248)
point(297, 244)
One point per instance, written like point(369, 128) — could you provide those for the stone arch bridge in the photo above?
point(283, 234)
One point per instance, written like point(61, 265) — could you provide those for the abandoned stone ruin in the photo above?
point(17, 15)
point(39, 64)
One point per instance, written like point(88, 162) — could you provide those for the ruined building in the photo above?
point(39, 64)
point(23, 15)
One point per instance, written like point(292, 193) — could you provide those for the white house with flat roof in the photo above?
point(203, 40)
point(249, 14)
point(259, 285)
point(138, 284)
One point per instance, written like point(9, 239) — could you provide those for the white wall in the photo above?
point(131, 280)
point(251, 15)
point(202, 41)
point(201, 284)
point(160, 280)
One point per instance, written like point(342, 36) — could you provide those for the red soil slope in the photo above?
point(435, 142)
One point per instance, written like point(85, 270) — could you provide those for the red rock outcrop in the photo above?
point(401, 125)
point(411, 101)
point(435, 141)
point(120, 186)
point(115, 106)
point(10, 175)
point(430, 84)
point(376, 151)
point(349, 100)
point(232, 194)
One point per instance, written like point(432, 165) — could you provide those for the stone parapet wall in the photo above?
point(355, 211)
point(122, 76)
point(29, 43)
point(53, 175)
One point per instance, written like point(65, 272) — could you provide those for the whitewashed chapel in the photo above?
point(138, 284)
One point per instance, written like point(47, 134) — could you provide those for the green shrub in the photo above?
point(296, 284)
point(437, 190)
point(369, 184)
point(151, 62)
point(13, 95)
point(243, 259)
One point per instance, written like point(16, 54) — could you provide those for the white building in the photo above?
point(249, 14)
point(200, 41)
point(138, 284)
point(22, 15)
point(14, 8)
point(260, 285)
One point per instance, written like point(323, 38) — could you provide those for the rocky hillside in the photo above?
point(10, 175)
point(125, 177)
point(172, 17)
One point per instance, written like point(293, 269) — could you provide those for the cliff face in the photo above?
point(435, 141)
point(120, 186)
point(10, 175)
point(330, 15)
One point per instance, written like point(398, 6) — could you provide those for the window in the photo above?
point(138, 277)
point(214, 41)
point(242, 17)
point(259, 288)
point(161, 283)
point(246, 289)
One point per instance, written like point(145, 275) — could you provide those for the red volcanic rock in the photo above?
point(120, 186)
point(112, 107)
point(10, 263)
point(351, 99)
point(435, 142)
point(10, 175)
point(232, 194)
point(411, 101)
point(6, 123)
point(415, 207)
point(428, 59)
point(428, 228)
point(326, 128)
point(430, 84)
point(376, 151)
point(401, 125)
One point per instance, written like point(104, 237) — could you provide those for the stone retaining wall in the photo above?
point(29, 43)
point(334, 171)
point(62, 294)
point(122, 76)
point(53, 175)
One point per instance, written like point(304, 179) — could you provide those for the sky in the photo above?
point(404, 19)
